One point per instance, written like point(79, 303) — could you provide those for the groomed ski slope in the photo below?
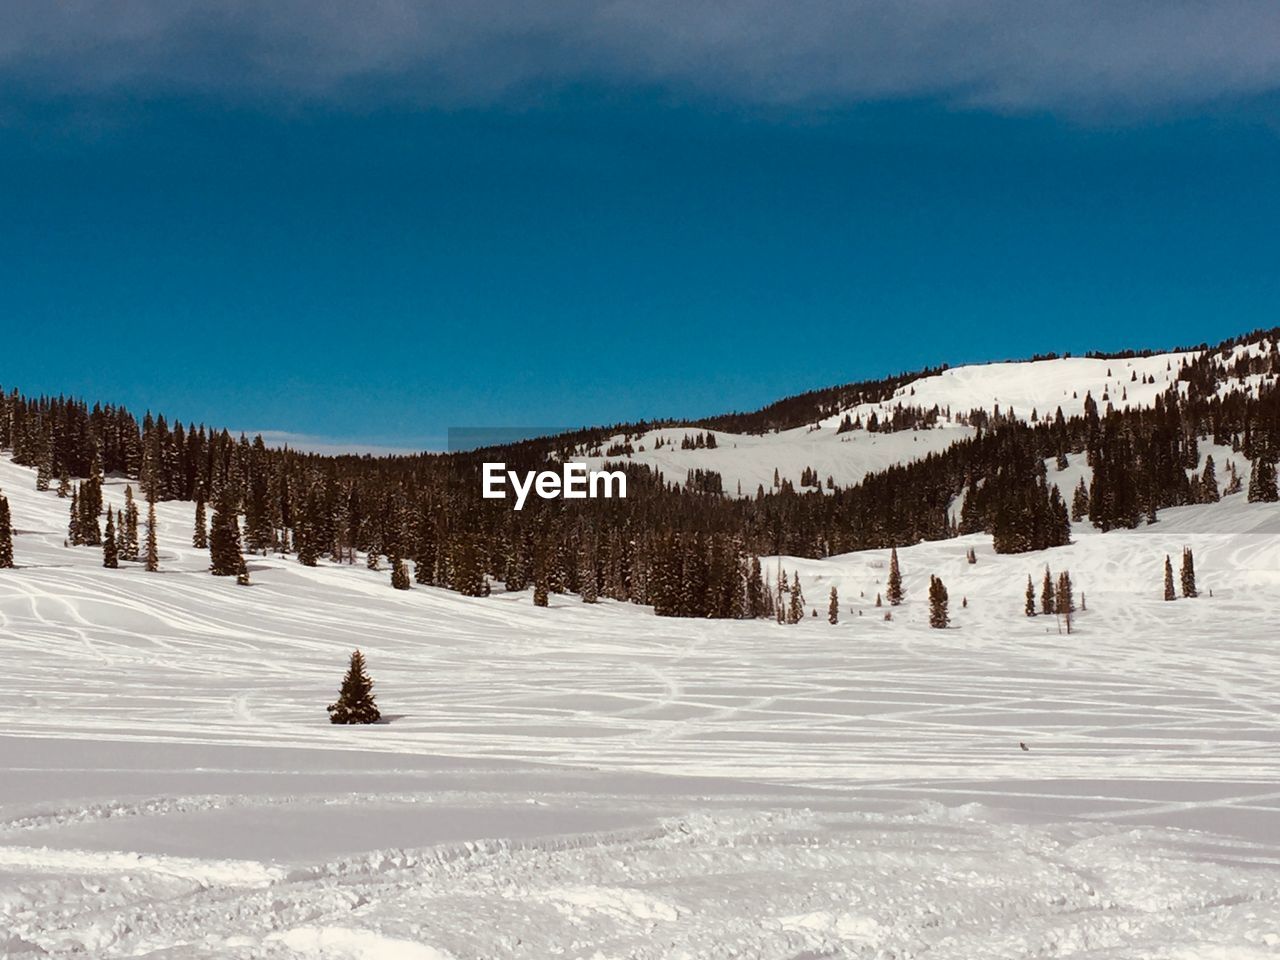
point(596, 782)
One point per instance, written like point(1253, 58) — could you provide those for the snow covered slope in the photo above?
point(1024, 388)
point(594, 781)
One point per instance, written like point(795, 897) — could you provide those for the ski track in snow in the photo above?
point(597, 782)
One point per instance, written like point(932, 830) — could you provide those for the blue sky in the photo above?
point(335, 258)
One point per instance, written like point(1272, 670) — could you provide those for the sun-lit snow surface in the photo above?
point(1026, 389)
point(598, 782)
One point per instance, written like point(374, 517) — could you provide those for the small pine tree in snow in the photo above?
point(127, 541)
point(833, 607)
point(1030, 608)
point(153, 552)
point(1168, 579)
point(894, 592)
point(110, 553)
point(795, 611)
point(938, 618)
point(1188, 573)
point(355, 703)
point(1047, 606)
point(6, 536)
point(1065, 602)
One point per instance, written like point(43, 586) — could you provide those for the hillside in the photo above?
point(1029, 390)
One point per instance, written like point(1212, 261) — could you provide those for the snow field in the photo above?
point(599, 782)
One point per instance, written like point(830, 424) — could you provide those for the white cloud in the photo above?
point(1083, 56)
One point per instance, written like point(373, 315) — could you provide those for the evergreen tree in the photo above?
point(355, 703)
point(6, 536)
point(795, 610)
point(110, 552)
point(153, 552)
point(64, 485)
point(1030, 608)
point(90, 508)
point(833, 607)
point(399, 574)
point(1262, 480)
point(1064, 601)
point(893, 591)
point(1188, 573)
point(756, 595)
point(225, 558)
point(938, 618)
point(1209, 492)
point(1168, 579)
point(128, 539)
point(1080, 502)
point(74, 537)
point(1047, 605)
point(200, 536)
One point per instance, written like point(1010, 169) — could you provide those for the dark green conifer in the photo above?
point(73, 525)
point(110, 551)
point(6, 536)
point(200, 535)
point(833, 607)
point(225, 558)
point(1188, 573)
point(1209, 492)
point(938, 618)
point(1262, 480)
point(893, 590)
point(153, 551)
point(795, 610)
point(128, 536)
point(1168, 579)
point(1047, 605)
point(355, 703)
point(1030, 608)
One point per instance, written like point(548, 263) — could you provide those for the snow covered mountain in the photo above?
point(591, 780)
point(1029, 390)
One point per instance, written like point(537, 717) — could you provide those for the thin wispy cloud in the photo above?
point(1013, 55)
